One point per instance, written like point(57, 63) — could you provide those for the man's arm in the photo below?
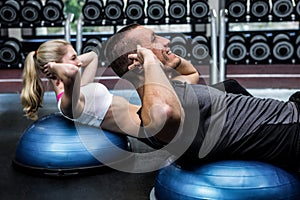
point(161, 111)
point(187, 72)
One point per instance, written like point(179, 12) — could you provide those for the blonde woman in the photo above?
point(79, 97)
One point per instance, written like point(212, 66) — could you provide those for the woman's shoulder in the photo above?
point(93, 85)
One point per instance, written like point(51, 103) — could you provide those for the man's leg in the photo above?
point(231, 86)
point(295, 98)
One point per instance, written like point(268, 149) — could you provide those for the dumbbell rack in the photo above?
point(11, 73)
point(270, 57)
point(14, 72)
point(108, 77)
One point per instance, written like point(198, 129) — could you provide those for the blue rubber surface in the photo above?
point(232, 180)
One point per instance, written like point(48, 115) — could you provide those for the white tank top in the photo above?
point(97, 101)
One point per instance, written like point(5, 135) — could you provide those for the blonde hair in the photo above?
point(33, 90)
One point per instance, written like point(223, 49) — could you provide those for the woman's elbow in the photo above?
point(72, 71)
point(93, 56)
point(70, 74)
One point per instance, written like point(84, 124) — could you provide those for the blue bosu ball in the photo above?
point(54, 145)
point(232, 180)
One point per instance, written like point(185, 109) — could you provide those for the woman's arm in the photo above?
point(72, 103)
point(89, 66)
point(122, 117)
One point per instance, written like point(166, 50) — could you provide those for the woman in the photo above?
point(79, 98)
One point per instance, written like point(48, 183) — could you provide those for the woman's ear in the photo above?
point(57, 82)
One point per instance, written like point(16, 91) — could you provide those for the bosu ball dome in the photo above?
point(54, 145)
point(230, 180)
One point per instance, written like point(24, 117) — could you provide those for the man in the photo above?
point(197, 123)
point(185, 71)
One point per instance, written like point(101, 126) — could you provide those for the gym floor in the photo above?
point(112, 184)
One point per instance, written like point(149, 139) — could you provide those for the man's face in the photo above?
point(159, 45)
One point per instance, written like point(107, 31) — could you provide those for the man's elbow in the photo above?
point(195, 77)
point(173, 115)
point(168, 124)
point(165, 120)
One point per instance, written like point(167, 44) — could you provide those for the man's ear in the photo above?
point(129, 67)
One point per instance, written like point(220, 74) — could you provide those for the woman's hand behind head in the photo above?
point(48, 70)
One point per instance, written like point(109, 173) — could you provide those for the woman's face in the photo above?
point(71, 57)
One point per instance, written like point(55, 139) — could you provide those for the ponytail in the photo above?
point(33, 90)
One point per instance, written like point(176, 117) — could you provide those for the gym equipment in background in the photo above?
point(31, 11)
point(282, 9)
point(259, 10)
point(199, 10)
point(114, 10)
point(177, 10)
point(179, 45)
point(10, 11)
point(93, 44)
point(297, 9)
point(134, 11)
point(92, 10)
point(156, 11)
point(237, 10)
point(53, 11)
point(11, 52)
point(282, 49)
point(259, 51)
point(200, 50)
point(236, 50)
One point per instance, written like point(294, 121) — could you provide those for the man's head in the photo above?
point(125, 42)
point(118, 47)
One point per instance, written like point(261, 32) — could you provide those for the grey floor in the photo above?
point(112, 184)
